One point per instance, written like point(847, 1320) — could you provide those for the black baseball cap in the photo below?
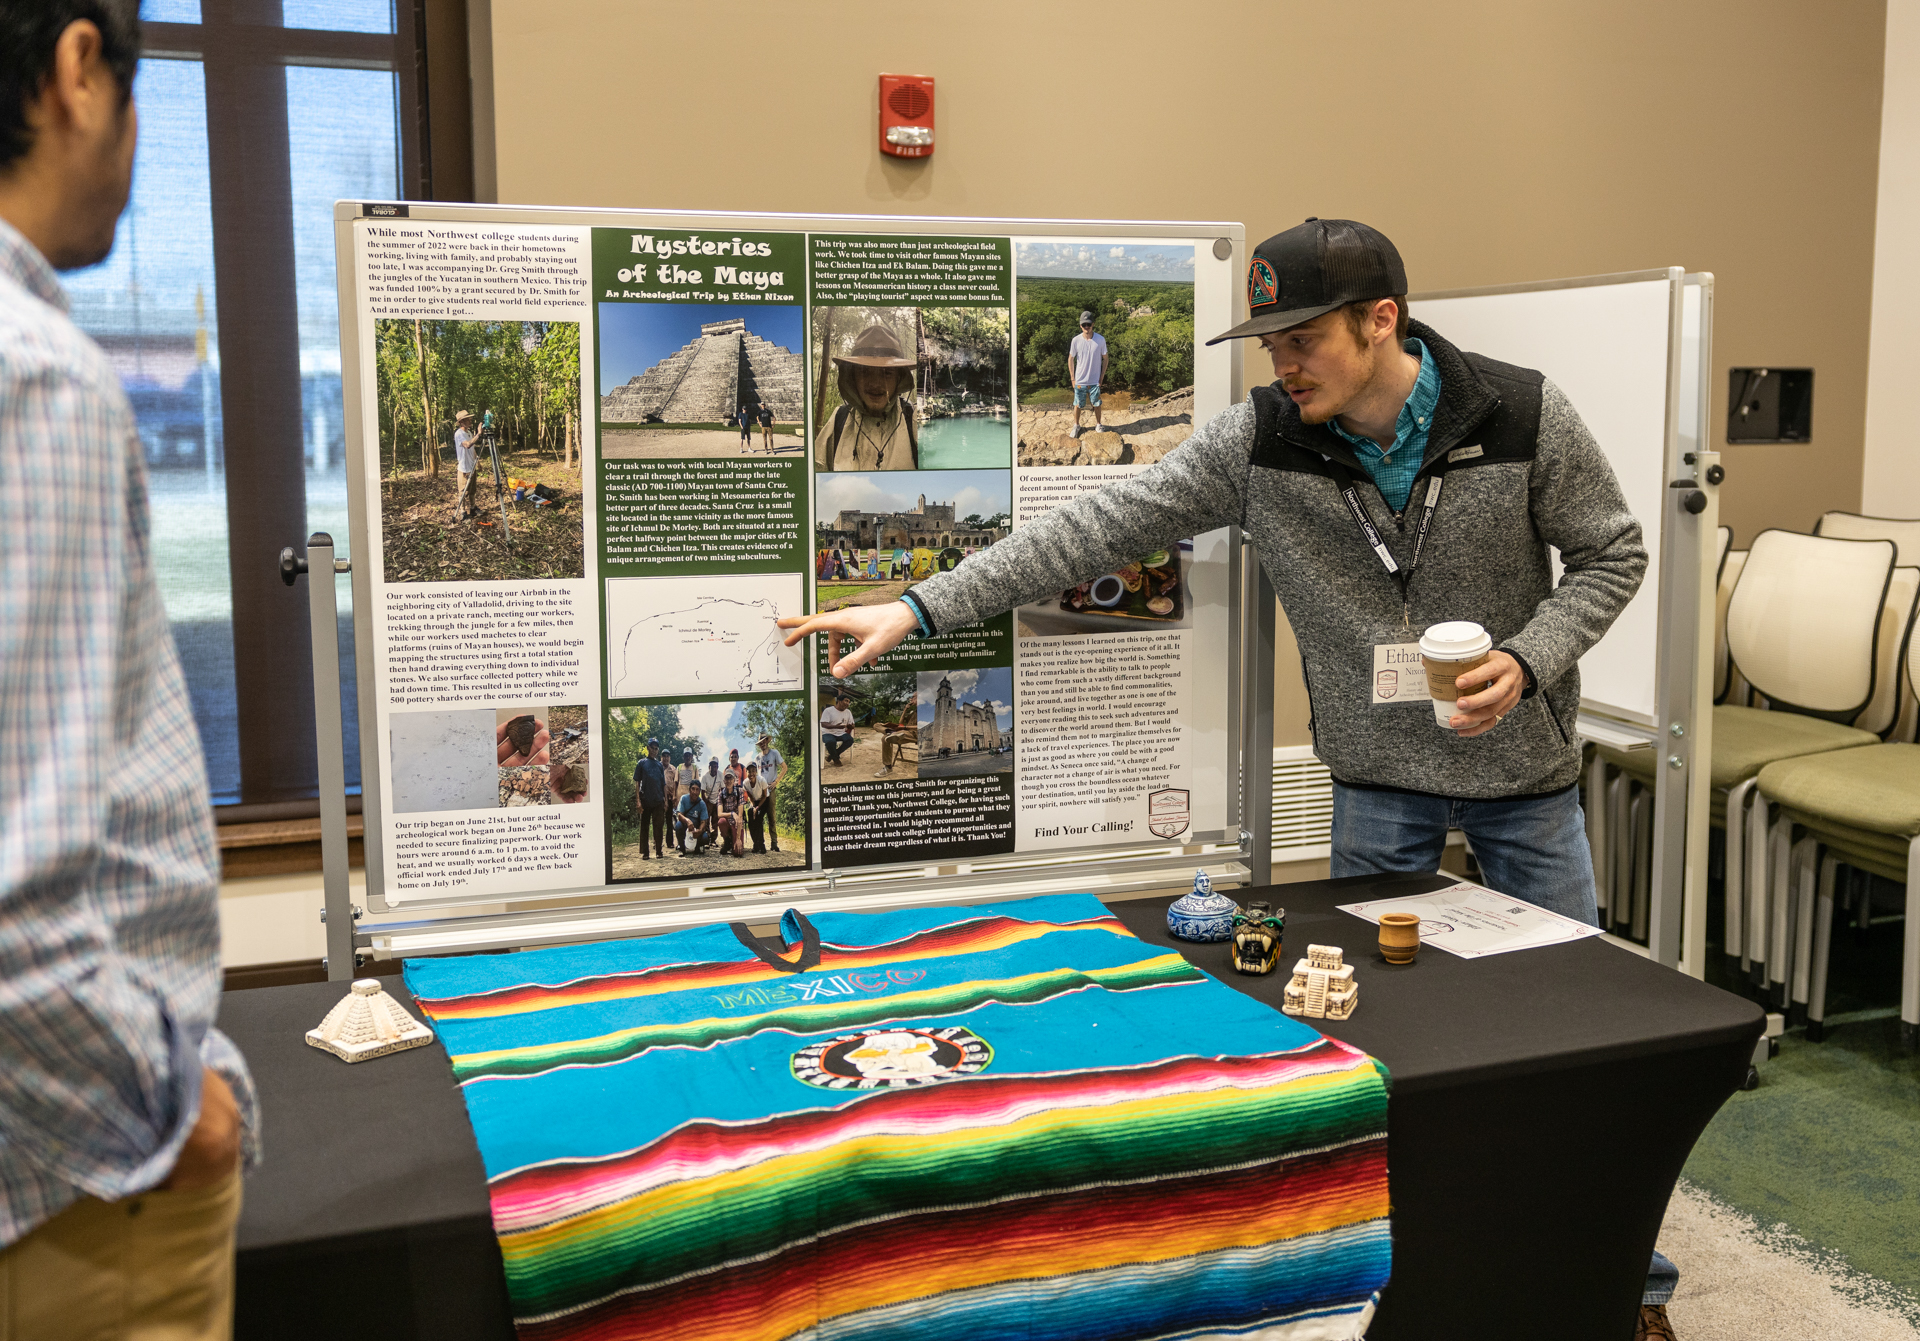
point(1313, 268)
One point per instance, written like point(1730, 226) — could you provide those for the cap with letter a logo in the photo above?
point(1313, 268)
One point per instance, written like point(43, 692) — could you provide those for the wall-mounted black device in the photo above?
point(1769, 404)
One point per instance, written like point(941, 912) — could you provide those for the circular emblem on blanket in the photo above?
point(891, 1059)
point(1262, 284)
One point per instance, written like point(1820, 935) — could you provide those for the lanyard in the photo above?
point(1350, 491)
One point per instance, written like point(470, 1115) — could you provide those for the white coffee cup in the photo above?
point(1449, 651)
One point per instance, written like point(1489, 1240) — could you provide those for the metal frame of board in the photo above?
point(1682, 733)
point(465, 923)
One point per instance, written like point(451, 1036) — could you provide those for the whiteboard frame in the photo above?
point(1682, 728)
point(599, 911)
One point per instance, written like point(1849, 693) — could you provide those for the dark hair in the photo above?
point(29, 31)
point(1360, 313)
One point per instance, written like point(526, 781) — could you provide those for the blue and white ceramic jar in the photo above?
point(1202, 915)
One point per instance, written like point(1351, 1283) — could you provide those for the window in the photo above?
point(218, 308)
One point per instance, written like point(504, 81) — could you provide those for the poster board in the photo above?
point(514, 664)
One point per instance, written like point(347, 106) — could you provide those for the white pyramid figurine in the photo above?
point(1322, 986)
point(368, 1023)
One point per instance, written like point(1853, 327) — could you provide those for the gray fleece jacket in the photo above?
point(1522, 473)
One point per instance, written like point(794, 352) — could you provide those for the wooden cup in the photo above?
point(1399, 937)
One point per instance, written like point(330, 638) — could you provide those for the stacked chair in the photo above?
point(1816, 626)
point(1859, 807)
point(1802, 628)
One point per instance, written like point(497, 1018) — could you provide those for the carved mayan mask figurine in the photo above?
point(1256, 937)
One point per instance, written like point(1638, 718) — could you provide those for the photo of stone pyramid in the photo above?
point(707, 379)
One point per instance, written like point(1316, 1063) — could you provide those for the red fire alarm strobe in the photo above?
point(906, 116)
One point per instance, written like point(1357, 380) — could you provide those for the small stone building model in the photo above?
point(368, 1023)
point(1322, 986)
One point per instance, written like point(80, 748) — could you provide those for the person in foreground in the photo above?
point(125, 1117)
point(1336, 472)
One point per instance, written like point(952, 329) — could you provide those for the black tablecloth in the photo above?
point(1542, 1105)
point(368, 1218)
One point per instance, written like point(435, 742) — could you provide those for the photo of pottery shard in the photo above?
point(543, 755)
point(520, 731)
point(1257, 932)
point(567, 754)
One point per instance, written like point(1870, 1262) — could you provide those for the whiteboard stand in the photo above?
point(323, 609)
point(1256, 756)
point(1231, 856)
point(1633, 352)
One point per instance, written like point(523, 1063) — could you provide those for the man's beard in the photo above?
point(1324, 410)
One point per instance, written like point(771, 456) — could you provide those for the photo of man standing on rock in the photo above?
point(1087, 361)
point(1108, 327)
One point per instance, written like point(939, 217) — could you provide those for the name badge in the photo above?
point(1398, 676)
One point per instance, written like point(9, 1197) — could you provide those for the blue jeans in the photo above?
point(1532, 848)
point(837, 745)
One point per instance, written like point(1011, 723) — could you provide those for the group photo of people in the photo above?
point(706, 787)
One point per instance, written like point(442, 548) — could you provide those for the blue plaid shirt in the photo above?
point(1393, 470)
point(109, 873)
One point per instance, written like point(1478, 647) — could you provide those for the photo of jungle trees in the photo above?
point(520, 383)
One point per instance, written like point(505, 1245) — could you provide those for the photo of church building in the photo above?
point(966, 722)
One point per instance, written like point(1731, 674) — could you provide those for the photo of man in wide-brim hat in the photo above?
point(873, 429)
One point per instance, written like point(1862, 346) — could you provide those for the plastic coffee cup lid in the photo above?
point(1454, 641)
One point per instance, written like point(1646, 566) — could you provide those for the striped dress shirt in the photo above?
point(109, 872)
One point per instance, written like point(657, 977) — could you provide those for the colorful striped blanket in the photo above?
point(946, 1124)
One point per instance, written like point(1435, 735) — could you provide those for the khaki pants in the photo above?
point(156, 1267)
point(463, 502)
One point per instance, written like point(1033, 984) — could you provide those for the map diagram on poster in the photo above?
point(676, 637)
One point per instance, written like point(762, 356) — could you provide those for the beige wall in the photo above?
point(1495, 142)
point(1891, 478)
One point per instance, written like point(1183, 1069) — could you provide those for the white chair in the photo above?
point(1728, 684)
point(1904, 532)
point(1803, 628)
point(1860, 807)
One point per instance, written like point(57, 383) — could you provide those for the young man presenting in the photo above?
point(1087, 365)
point(1337, 472)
